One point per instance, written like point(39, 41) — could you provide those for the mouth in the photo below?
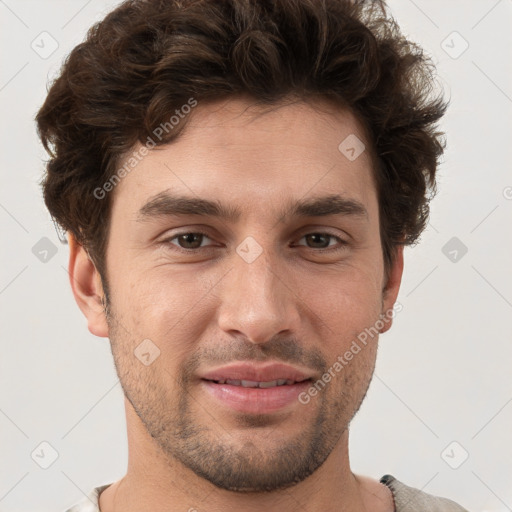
point(256, 389)
point(257, 384)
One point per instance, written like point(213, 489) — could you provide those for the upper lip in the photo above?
point(256, 373)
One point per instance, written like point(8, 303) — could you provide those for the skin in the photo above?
point(292, 303)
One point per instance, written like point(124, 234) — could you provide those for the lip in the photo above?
point(255, 400)
point(260, 373)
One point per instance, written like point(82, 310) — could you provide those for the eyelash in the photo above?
point(168, 241)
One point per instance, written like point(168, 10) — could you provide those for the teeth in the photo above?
point(269, 384)
point(249, 383)
point(256, 384)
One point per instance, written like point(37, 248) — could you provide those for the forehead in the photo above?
point(256, 155)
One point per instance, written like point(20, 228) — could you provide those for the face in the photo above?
point(224, 313)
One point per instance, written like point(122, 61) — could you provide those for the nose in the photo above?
point(258, 300)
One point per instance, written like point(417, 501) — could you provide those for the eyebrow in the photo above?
point(165, 204)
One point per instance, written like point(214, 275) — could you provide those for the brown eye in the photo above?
point(319, 240)
point(322, 240)
point(190, 240)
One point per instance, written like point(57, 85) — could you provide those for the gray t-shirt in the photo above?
point(407, 499)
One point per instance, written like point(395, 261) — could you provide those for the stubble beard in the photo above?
point(240, 465)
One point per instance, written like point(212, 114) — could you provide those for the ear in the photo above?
point(87, 288)
point(391, 288)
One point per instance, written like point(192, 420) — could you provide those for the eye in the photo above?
point(192, 240)
point(188, 240)
point(321, 240)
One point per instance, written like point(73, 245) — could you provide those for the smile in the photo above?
point(256, 384)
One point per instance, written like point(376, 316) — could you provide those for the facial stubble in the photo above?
point(230, 458)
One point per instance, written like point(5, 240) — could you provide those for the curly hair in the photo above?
point(146, 59)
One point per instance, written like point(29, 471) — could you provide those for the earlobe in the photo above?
point(392, 287)
point(87, 288)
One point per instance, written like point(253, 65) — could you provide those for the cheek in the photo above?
point(173, 305)
point(167, 307)
point(346, 303)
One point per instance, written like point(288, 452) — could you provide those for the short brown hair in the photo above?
point(148, 58)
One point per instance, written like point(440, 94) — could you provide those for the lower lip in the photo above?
point(256, 400)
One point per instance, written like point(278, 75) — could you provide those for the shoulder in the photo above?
point(409, 499)
point(90, 502)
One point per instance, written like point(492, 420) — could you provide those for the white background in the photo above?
point(443, 371)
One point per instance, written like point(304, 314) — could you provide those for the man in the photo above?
point(238, 180)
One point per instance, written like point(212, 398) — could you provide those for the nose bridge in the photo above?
point(255, 300)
